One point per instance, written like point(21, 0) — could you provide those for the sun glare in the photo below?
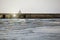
point(14, 15)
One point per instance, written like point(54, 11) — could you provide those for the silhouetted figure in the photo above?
point(24, 16)
point(3, 16)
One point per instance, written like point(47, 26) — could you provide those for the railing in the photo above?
point(9, 16)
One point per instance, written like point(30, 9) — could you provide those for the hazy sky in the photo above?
point(30, 6)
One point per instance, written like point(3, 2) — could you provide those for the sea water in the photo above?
point(29, 29)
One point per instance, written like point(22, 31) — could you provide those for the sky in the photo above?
point(30, 6)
